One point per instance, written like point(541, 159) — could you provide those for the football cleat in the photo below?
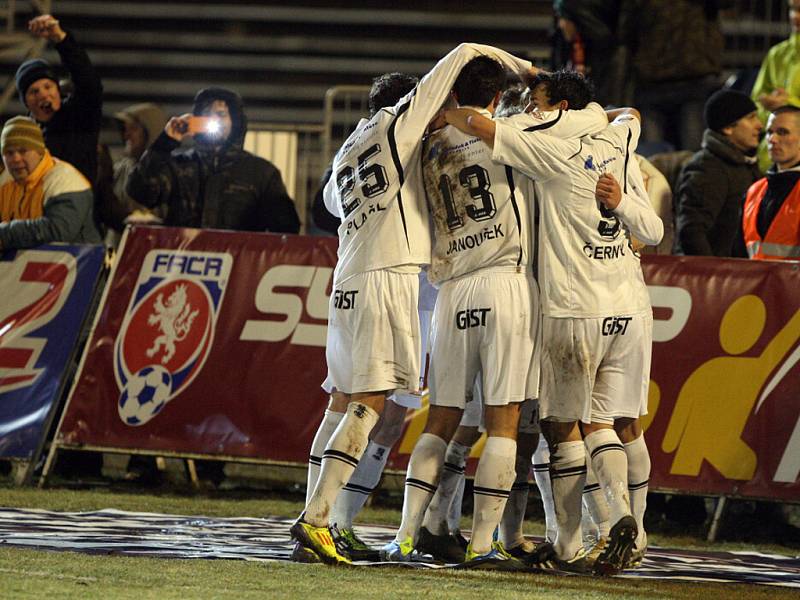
point(637, 556)
point(302, 554)
point(543, 557)
point(444, 548)
point(319, 541)
point(396, 551)
point(521, 550)
point(495, 559)
point(617, 552)
point(349, 544)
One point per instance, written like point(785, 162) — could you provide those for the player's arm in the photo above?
point(615, 113)
point(630, 201)
point(563, 123)
point(330, 199)
point(433, 89)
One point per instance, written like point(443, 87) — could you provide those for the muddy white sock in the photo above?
point(493, 481)
point(541, 472)
point(567, 477)
point(339, 460)
point(452, 475)
point(611, 467)
point(454, 514)
point(351, 499)
point(422, 479)
point(638, 482)
point(511, 534)
point(594, 503)
point(329, 423)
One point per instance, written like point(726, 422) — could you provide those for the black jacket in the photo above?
point(72, 133)
point(709, 199)
point(217, 187)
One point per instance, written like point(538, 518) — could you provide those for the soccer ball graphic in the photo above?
point(145, 395)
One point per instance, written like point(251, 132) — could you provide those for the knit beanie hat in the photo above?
point(22, 131)
point(30, 71)
point(725, 107)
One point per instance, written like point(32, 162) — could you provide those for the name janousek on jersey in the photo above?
point(478, 217)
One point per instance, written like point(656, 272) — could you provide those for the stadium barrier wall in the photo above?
point(211, 343)
point(47, 296)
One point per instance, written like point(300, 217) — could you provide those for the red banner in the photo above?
point(207, 342)
point(725, 383)
point(213, 343)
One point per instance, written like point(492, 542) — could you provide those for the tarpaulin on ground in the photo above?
point(46, 294)
point(213, 343)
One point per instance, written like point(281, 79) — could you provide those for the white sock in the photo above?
point(493, 481)
point(329, 423)
point(454, 514)
point(424, 468)
point(638, 482)
point(511, 534)
point(351, 499)
point(611, 467)
point(436, 516)
point(339, 460)
point(567, 476)
point(595, 504)
point(541, 472)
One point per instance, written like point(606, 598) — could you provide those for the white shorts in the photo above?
point(596, 370)
point(484, 322)
point(373, 340)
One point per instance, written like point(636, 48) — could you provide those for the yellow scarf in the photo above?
point(25, 200)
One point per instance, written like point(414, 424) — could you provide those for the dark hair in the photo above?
point(565, 85)
point(479, 81)
point(388, 88)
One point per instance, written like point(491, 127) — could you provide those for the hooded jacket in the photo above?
point(214, 186)
point(709, 199)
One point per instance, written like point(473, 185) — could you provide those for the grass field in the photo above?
point(42, 574)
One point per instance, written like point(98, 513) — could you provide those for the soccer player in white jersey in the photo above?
point(568, 91)
point(373, 326)
point(484, 321)
point(593, 296)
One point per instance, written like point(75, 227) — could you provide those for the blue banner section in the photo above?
point(44, 298)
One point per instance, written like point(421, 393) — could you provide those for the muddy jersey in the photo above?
point(376, 187)
point(587, 266)
point(479, 217)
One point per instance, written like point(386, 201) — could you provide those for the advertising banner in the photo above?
point(212, 342)
point(207, 342)
point(724, 395)
point(46, 295)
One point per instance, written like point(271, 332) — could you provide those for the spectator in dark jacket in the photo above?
point(70, 125)
point(216, 183)
point(712, 185)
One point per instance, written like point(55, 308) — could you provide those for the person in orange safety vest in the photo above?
point(771, 218)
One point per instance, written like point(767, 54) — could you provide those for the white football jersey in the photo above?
point(376, 187)
point(479, 217)
point(587, 266)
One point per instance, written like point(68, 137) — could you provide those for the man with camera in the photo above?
point(215, 183)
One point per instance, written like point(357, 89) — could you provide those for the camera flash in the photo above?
point(213, 126)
